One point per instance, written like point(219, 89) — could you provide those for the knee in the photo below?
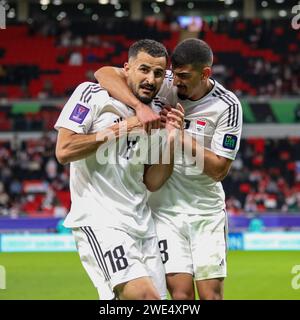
point(138, 294)
point(183, 295)
point(146, 295)
point(211, 289)
point(142, 295)
point(211, 295)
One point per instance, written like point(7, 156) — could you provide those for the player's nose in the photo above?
point(150, 78)
point(176, 81)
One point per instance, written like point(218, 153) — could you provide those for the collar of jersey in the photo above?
point(208, 93)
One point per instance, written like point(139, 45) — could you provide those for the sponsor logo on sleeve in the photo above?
point(229, 141)
point(79, 113)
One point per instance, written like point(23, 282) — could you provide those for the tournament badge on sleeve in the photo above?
point(230, 141)
point(79, 113)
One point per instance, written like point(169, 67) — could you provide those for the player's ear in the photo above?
point(126, 68)
point(206, 73)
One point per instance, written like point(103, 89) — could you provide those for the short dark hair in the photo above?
point(192, 51)
point(152, 47)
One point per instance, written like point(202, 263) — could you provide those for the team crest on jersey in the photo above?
point(229, 141)
point(79, 113)
point(200, 124)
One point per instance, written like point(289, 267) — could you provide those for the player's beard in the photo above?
point(182, 96)
point(145, 99)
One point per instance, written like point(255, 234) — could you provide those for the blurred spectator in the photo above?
point(77, 41)
point(91, 58)
point(51, 169)
point(4, 200)
point(47, 90)
point(2, 73)
point(90, 75)
point(233, 206)
point(15, 187)
point(297, 113)
point(75, 59)
point(92, 41)
point(65, 39)
point(59, 210)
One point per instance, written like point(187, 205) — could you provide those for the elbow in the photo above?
point(99, 74)
point(152, 188)
point(220, 176)
point(62, 157)
point(155, 186)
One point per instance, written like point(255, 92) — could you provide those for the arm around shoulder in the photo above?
point(72, 146)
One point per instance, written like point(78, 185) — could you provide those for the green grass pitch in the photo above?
point(251, 275)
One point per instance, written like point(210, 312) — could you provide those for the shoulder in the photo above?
point(87, 90)
point(226, 97)
point(229, 106)
point(87, 85)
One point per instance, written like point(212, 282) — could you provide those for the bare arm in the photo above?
point(114, 81)
point(215, 166)
point(156, 175)
point(72, 146)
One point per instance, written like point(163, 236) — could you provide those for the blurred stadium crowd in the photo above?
point(65, 54)
point(46, 59)
point(264, 178)
point(31, 180)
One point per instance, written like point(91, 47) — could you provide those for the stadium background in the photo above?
point(49, 47)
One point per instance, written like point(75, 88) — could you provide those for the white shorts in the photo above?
point(193, 244)
point(111, 257)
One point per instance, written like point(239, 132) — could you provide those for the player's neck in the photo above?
point(202, 91)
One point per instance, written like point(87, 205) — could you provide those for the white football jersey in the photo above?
point(216, 119)
point(105, 194)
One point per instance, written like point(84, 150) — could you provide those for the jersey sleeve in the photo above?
point(227, 136)
point(78, 113)
point(167, 93)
